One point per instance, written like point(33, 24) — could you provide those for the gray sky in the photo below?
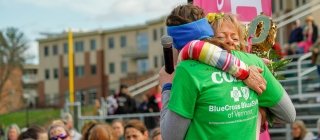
point(35, 16)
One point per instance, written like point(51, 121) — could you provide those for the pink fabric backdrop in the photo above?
point(247, 10)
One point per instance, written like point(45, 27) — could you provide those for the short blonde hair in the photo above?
point(56, 125)
point(217, 23)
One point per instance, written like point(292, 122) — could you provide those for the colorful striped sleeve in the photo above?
point(215, 56)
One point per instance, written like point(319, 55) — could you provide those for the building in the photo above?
point(11, 98)
point(30, 84)
point(101, 59)
point(105, 58)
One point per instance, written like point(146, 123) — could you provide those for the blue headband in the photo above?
point(197, 30)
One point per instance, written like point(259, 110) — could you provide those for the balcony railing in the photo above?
point(135, 53)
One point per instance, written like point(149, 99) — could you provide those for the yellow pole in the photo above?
point(71, 66)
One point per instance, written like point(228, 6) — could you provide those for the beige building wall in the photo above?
point(156, 29)
point(130, 54)
point(120, 54)
point(50, 63)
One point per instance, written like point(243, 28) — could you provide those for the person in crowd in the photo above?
point(157, 97)
point(58, 122)
point(86, 128)
point(118, 128)
point(68, 121)
point(300, 132)
point(13, 132)
point(2, 133)
point(156, 134)
point(149, 105)
point(126, 104)
point(315, 56)
point(143, 107)
point(112, 104)
point(34, 132)
point(153, 102)
point(153, 106)
point(296, 36)
point(318, 130)
point(310, 33)
point(193, 100)
point(135, 130)
point(102, 131)
point(58, 132)
point(97, 107)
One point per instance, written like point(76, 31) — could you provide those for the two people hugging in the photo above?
point(218, 91)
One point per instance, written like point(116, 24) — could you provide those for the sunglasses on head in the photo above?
point(61, 136)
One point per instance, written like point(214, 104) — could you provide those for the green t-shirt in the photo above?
point(219, 106)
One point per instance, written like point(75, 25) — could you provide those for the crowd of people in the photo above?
point(302, 37)
point(62, 129)
point(123, 103)
point(117, 130)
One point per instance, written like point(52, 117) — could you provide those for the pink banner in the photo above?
point(247, 10)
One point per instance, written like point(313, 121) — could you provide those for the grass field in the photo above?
point(41, 117)
point(36, 116)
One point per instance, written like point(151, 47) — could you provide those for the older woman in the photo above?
point(208, 103)
point(58, 132)
point(13, 132)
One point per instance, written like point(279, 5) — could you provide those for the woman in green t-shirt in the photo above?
point(197, 113)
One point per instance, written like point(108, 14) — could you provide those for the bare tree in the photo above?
point(13, 45)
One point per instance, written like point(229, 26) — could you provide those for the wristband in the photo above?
point(244, 74)
point(166, 86)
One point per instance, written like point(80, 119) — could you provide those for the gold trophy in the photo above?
point(261, 35)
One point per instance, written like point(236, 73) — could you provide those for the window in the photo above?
point(142, 42)
point(66, 72)
point(93, 69)
point(155, 61)
point(55, 50)
point(281, 4)
point(111, 42)
point(304, 1)
point(273, 6)
point(123, 41)
point(111, 68)
point(124, 67)
point(161, 31)
point(143, 66)
point(65, 48)
point(79, 71)
point(46, 51)
point(297, 3)
point(93, 44)
point(55, 73)
point(155, 36)
point(47, 74)
point(79, 46)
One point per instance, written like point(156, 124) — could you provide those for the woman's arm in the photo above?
point(284, 111)
point(173, 126)
point(215, 56)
